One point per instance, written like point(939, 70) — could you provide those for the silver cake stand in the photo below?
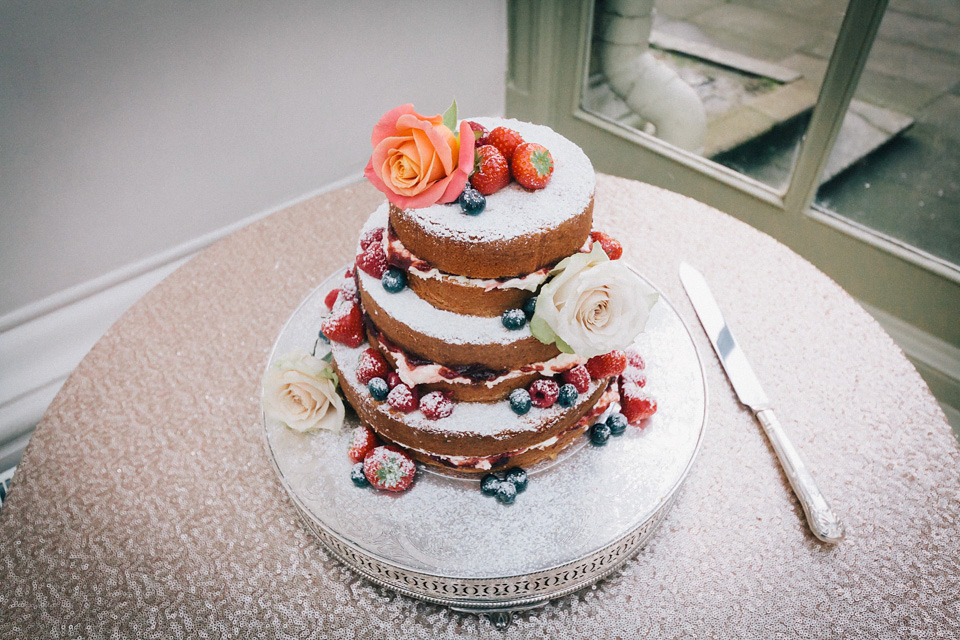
point(442, 541)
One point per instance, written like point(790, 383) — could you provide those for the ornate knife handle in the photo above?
point(823, 522)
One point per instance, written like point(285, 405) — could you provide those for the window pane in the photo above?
point(751, 68)
point(909, 188)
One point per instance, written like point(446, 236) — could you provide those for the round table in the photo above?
point(145, 505)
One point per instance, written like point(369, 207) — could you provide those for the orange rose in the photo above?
point(417, 161)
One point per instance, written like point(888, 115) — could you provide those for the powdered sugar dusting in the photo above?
point(514, 211)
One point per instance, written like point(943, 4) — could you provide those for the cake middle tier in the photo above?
point(445, 337)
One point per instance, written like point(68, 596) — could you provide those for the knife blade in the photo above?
point(822, 520)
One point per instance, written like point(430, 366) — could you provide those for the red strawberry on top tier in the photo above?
point(491, 171)
point(532, 165)
point(505, 140)
point(389, 469)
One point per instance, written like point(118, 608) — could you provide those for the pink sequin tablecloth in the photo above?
point(146, 507)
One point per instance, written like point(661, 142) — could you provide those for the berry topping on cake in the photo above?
point(394, 280)
point(369, 237)
point(506, 492)
point(532, 165)
point(472, 202)
point(543, 392)
point(617, 423)
point(479, 131)
point(345, 323)
point(489, 484)
point(322, 337)
point(567, 396)
point(403, 398)
point(393, 379)
point(372, 259)
point(389, 469)
point(357, 475)
point(491, 171)
point(378, 389)
point(331, 298)
point(505, 140)
point(513, 319)
point(520, 401)
point(529, 306)
point(370, 365)
point(579, 377)
point(363, 443)
point(599, 433)
point(607, 364)
point(636, 404)
point(436, 405)
point(517, 477)
point(611, 247)
point(634, 359)
point(634, 375)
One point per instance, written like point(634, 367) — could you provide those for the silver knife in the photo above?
point(822, 520)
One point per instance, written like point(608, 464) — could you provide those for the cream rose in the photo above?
point(592, 305)
point(300, 391)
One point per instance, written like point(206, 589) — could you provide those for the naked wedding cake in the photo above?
point(485, 324)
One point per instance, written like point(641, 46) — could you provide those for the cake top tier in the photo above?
point(519, 230)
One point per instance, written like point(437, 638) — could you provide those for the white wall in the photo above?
point(133, 132)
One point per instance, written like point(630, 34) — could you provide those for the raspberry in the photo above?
point(403, 398)
point(436, 405)
point(544, 392)
point(371, 365)
point(578, 377)
point(491, 171)
point(393, 379)
point(635, 403)
point(372, 260)
point(479, 132)
point(371, 236)
point(389, 468)
point(345, 323)
point(331, 298)
point(635, 359)
point(633, 375)
point(611, 247)
point(532, 165)
point(363, 443)
point(505, 140)
point(606, 365)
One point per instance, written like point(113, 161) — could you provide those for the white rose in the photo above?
point(592, 305)
point(300, 391)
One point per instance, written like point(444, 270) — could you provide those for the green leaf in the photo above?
point(563, 346)
point(541, 330)
point(330, 374)
point(450, 117)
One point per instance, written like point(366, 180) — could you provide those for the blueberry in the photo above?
point(394, 280)
point(529, 306)
point(517, 477)
point(472, 201)
point(520, 401)
point(506, 492)
point(513, 319)
point(617, 423)
point(599, 433)
point(379, 389)
point(489, 484)
point(323, 337)
point(567, 396)
point(356, 474)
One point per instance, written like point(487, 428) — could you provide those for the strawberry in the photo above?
point(635, 403)
point(490, 170)
point(436, 405)
point(331, 298)
point(578, 377)
point(393, 379)
point(403, 398)
point(479, 132)
point(371, 365)
point(543, 392)
point(372, 260)
point(371, 236)
point(634, 375)
point(634, 359)
point(348, 289)
point(345, 323)
point(532, 165)
point(608, 364)
point(364, 441)
point(611, 247)
point(505, 140)
point(388, 468)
